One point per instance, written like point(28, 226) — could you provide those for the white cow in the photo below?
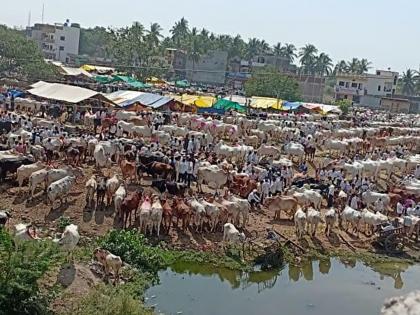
point(371, 197)
point(119, 198)
point(25, 171)
point(60, 189)
point(352, 217)
point(112, 185)
point(69, 239)
point(300, 222)
point(101, 158)
point(232, 235)
point(330, 220)
point(313, 218)
point(156, 215)
point(90, 186)
point(198, 213)
point(370, 220)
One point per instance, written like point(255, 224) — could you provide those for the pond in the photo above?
point(326, 287)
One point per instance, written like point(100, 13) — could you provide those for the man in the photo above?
point(265, 189)
point(400, 209)
point(331, 191)
point(254, 199)
point(417, 172)
point(354, 203)
point(183, 166)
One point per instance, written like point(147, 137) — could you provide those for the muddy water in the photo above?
point(329, 287)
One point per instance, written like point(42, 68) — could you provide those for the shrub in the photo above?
point(20, 270)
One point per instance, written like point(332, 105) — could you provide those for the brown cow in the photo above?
point(162, 169)
point(279, 203)
point(130, 203)
point(167, 215)
point(242, 185)
point(128, 170)
point(181, 211)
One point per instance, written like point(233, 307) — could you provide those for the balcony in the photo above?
point(348, 91)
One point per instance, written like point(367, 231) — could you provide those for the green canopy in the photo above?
point(228, 105)
point(104, 79)
point(182, 84)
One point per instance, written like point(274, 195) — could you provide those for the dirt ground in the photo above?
point(96, 222)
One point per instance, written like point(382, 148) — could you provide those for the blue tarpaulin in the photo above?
point(291, 105)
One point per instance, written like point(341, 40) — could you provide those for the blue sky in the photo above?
point(385, 32)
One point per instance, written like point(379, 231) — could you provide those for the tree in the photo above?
point(94, 42)
point(344, 106)
point(341, 67)
point(154, 34)
point(180, 32)
point(20, 269)
point(269, 82)
point(354, 66)
point(408, 82)
point(307, 56)
point(278, 49)
point(364, 65)
point(21, 58)
point(252, 49)
point(289, 52)
point(323, 64)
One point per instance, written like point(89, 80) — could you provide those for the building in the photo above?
point(279, 63)
point(395, 105)
point(56, 41)
point(209, 69)
point(355, 87)
point(177, 59)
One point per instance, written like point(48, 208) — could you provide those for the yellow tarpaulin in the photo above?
point(265, 102)
point(197, 100)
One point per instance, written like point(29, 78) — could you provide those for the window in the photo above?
point(395, 80)
point(345, 97)
point(354, 85)
point(379, 88)
point(360, 86)
point(62, 38)
point(347, 84)
point(61, 48)
point(261, 60)
point(341, 83)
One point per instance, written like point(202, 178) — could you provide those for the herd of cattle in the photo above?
point(219, 201)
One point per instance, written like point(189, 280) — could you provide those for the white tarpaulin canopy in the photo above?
point(62, 92)
point(75, 72)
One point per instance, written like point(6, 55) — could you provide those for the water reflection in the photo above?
point(296, 272)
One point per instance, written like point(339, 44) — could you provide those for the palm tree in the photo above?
point(354, 66)
point(323, 64)
point(264, 47)
point(154, 34)
point(278, 49)
point(289, 51)
point(341, 67)
point(252, 49)
point(307, 56)
point(364, 66)
point(195, 51)
point(180, 31)
point(237, 49)
point(408, 82)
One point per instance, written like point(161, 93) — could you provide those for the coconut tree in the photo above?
point(308, 58)
point(278, 49)
point(408, 82)
point(354, 66)
point(364, 66)
point(264, 47)
point(341, 67)
point(323, 64)
point(154, 34)
point(180, 32)
point(289, 51)
point(252, 49)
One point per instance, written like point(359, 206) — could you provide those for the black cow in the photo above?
point(10, 165)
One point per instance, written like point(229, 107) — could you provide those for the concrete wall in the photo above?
point(210, 69)
point(370, 101)
point(70, 43)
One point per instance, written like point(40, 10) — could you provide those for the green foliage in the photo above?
point(270, 83)
point(20, 270)
point(344, 106)
point(107, 300)
point(20, 57)
point(63, 222)
point(134, 249)
point(95, 42)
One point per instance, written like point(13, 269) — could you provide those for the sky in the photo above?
point(385, 32)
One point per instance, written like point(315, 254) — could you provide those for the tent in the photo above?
point(104, 79)
point(182, 84)
point(98, 69)
point(229, 105)
point(291, 105)
point(126, 99)
point(197, 100)
point(75, 72)
point(63, 92)
point(265, 103)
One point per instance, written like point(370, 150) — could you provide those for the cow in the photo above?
point(118, 199)
point(182, 212)
point(330, 220)
point(300, 222)
point(130, 204)
point(109, 262)
point(60, 189)
point(232, 235)
point(156, 215)
point(90, 186)
point(112, 185)
point(11, 164)
point(281, 203)
point(25, 171)
point(213, 176)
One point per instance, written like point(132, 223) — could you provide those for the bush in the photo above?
point(344, 106)
point(134, 249)
point(63, 222)
point(20, 270)
point(106, 300)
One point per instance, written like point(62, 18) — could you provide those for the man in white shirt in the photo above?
point(190, 171)
point(265, 189)
point(379, 206)
point(183, 166)
point(400, 209)
point(354, 203)
point(253, 198)
point(331, 191)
